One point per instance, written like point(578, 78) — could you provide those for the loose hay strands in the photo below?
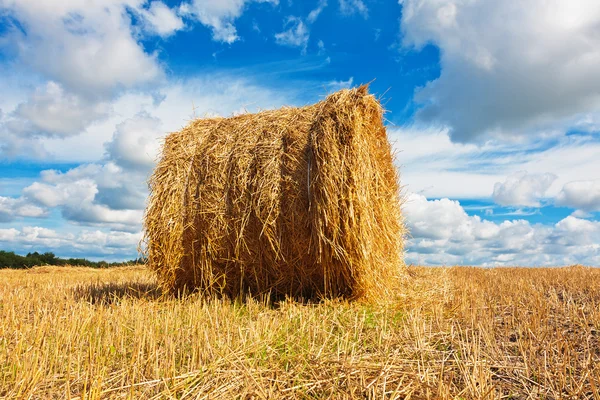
point(299, 202)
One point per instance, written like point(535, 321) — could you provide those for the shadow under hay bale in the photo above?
point(299, 202)
point(110, 293)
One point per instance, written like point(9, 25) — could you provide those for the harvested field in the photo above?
point(451, 333)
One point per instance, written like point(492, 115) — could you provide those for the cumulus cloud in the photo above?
point(522, 189)
point(92, 195)
point(51, 111)
point(12, 208)
point(508, 68)
point(86, 53)
point(444, 219)
point(13, 146)
point(582, 195)
point(48, 195)
point(161, 19)
point(107, 185)
point(85, 243)
point(432, 164)
point(573, 231)
point(114, 240)
point(136, 143)
point(99, 214)
point(219, 15)
point(8, 235)
point(88, 47)
point(443, 233)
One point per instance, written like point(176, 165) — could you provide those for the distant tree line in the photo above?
point(9, 259)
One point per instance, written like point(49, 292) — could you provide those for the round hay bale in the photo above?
point(301, 202)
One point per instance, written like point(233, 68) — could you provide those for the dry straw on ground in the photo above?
point(453, 333)
point(290, 202)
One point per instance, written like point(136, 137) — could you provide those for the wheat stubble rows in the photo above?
point(68, 332)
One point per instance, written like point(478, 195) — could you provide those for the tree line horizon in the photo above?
point(9, 259)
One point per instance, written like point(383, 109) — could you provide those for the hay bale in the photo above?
point(292, 202)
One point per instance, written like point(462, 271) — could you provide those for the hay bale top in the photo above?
point(292, 202)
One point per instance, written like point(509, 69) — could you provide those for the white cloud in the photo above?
point(219, 15)
point(508, 68)
point(444, 219)
point(162, 20)
point(295, 34)
point(90, 52)
point(297, 31)
point(522, 189)
point(8, 235)
point(88, 47)
point(443, 233)
point(582, 195)
point(12, 146)
point(431, 164)
point(50, 111)
point(93, 195)
point(107, 185)
point(12, 208)
point(86, 243)
point(75, 192)
point(36, 233)
point(348, 7)
point(110, 240)
point(101, 215)
point(136, 143)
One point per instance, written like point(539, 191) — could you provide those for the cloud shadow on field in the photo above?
point(111, 293)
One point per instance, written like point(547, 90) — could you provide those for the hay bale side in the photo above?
point(296, 201)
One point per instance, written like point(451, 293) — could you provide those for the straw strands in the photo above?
point(300, 202)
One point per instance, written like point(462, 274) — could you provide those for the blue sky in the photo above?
point(493, 110)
